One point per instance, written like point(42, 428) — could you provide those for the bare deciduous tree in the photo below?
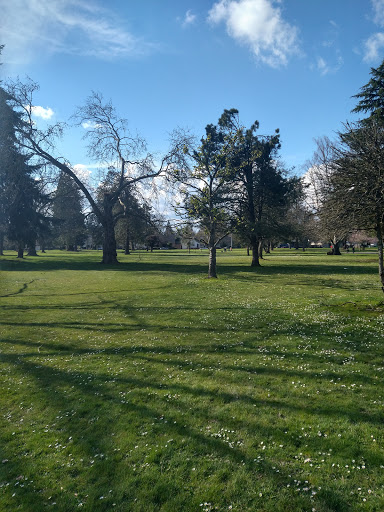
point(332, 226)
point(109, 144)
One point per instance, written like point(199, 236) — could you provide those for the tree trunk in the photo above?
point(127, 251)
point(255, 254)
point(1, 244)
point(20, 251)
point(109, 239)
point(32, 250)
point(336, 249)
point(109, 247)
point(247, 250)
point(260, 245)
point(379, 232)
point(212, 262)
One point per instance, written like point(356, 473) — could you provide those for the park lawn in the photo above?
point(146, 387)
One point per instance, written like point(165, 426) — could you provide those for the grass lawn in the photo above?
point(146, 387)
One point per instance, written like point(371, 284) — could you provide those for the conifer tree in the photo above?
point(371, 95)
point(19, 192)
point(68, 214)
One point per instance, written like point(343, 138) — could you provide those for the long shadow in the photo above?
point(147, 354)
point(214, 350)
point(53, 379)
point(224, 268)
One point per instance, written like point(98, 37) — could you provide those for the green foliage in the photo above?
point(68, 214)
point(358, 180)
point(135, 219)
point(358, 176)
point(371, 95)
point(261, 191)
point(207, 183)
point(20, 218)
point(207, 188)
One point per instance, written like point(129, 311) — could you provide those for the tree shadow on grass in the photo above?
point(183, 265)
point(99, 392)
point(91, 394)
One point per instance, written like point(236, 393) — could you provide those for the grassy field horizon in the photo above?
point(147, 387)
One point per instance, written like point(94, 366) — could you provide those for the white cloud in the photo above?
point(372, 47)
point(44, 113)
point(189, 18)
point(375, 42)
point(322, 66)
point(325, 68)
point(83, 173)
point(33, 29)
point(378, 10)
point(89, 126)
point(259, 25)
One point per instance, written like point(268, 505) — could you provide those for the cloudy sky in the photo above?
point(290, 64)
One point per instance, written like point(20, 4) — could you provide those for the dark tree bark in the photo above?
point(1, 244)
point(336, 248)
point(260, 245)
point(255, 255)
point(255, 251)
point(20, 251)
point(127, 240)
point(212, 263)
point(109, 239)
point(31, 250)
point(212, 253)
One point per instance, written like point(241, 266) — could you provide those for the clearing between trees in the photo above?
point(147, 387)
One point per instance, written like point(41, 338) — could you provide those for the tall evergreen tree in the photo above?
point(68, 214)
point(134, 219)
point(260, 187)
point(19, 192)
point(357, 192)
point(25, 221)
point(371, 95)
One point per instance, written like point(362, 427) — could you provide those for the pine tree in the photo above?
point(68, 214)
point(19, 192)
point(371, 95)
point(260, 188)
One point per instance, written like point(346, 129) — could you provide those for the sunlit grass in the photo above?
point(146, 387)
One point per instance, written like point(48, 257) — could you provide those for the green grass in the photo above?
point(146, 387)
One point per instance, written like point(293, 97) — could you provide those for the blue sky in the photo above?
point(290, 64)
